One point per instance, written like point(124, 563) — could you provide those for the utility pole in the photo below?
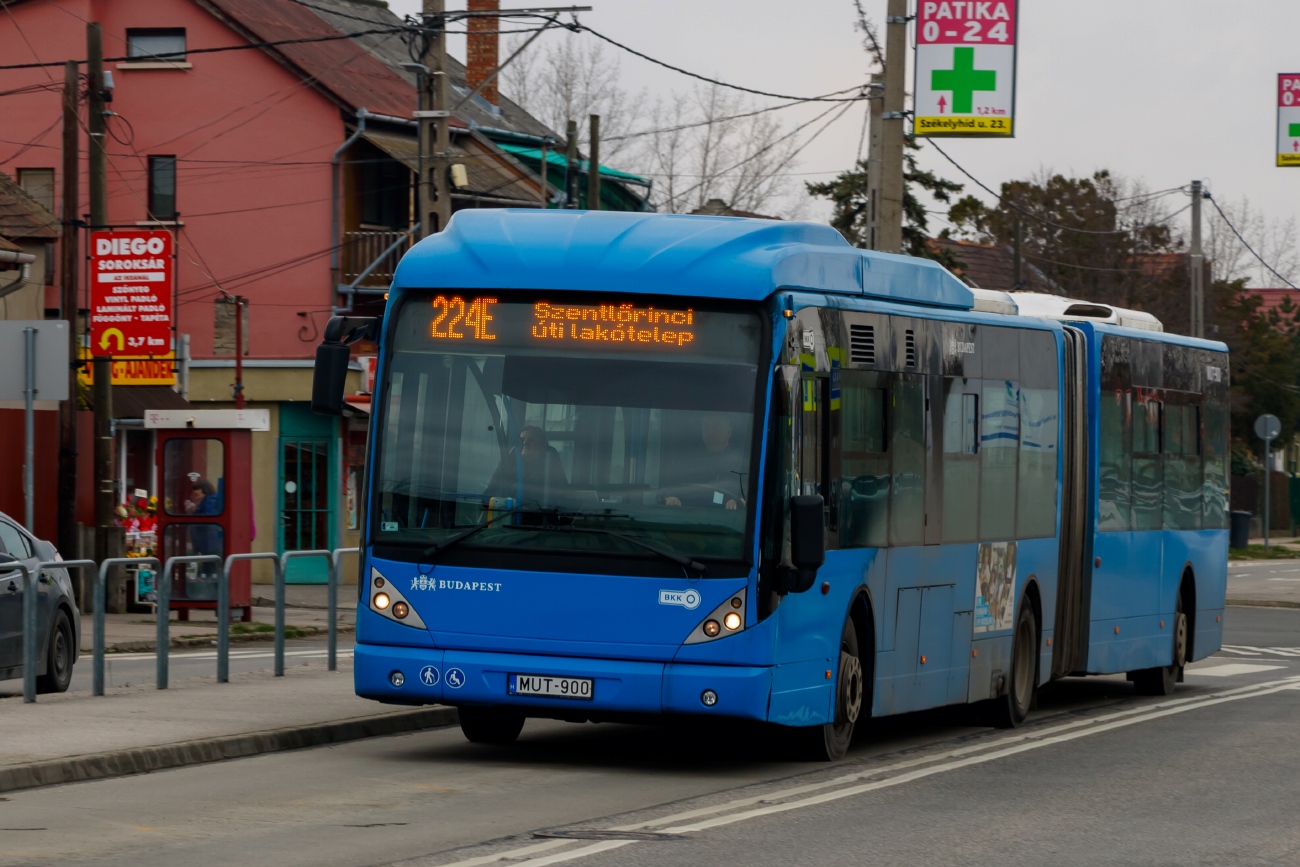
point(69, 543)
point(875, 165)
point(890, 235)
point(103, 388)
point(435, 134)
point(240, 301)
point(571, 165)
point(1196, 265)
point(593, 166)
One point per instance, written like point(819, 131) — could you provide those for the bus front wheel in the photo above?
point(830, 742)
point(490, 725)
point(1010, 709)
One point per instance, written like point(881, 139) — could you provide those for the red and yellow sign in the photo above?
point(160, 370)
point(131, 275)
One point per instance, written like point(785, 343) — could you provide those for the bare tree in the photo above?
point(711, 144)
point(1274, 241)
point(568, 79)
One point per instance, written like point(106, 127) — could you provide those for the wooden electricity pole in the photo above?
point(435, 133)
point(69, 543)
point(889, 237)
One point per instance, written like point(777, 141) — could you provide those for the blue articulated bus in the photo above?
point(631, 466)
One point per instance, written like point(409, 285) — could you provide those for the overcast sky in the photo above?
point(1159, 90)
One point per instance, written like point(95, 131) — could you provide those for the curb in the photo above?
point(143, 760)
point(146, 645)
point(1262, 603)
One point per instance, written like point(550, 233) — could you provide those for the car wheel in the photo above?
point(60, 654)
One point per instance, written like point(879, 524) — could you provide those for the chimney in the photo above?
point(482, 49)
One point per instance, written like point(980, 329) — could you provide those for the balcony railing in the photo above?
point(361, 249)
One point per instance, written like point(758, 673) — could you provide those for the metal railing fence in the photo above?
point(30, 582)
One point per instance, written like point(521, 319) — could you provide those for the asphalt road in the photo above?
point(1098, 776)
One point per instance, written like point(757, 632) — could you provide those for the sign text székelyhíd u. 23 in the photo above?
point(965, 67)
point(1288, 119)
point(131, 279)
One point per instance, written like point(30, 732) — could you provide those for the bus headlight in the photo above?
point(390, 603)
point(727, 619)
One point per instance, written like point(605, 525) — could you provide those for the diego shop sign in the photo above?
point(131, 279)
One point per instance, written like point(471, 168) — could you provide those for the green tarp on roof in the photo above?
point(557, 159)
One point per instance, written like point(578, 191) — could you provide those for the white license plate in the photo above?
point(551, 686)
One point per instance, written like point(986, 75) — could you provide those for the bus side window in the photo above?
point(961, 463)
point(864, 467)
point(1148, 479)
point(1182, 465)
point(1115, 456)
point(907, 444)
point(999, 433)
point(1040, 434)
point(1214, 443)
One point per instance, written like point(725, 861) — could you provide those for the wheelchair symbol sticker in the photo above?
point(429, 676)
point(455, 678)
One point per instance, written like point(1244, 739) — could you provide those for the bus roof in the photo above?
point(664, 254)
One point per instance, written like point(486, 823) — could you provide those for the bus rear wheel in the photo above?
point(490, 725)
point(1162, 679)
point(1010, 710)
point(830, 742)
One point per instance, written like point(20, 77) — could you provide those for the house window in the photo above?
point(39, 184)
point(162, 188)
point(155, 44)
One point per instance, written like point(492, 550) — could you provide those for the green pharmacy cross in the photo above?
point(1294, 130)
point(963, 79)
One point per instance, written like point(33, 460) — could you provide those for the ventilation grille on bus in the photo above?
point(862, 344)
point(911, 347)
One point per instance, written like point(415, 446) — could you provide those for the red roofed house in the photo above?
point(286, 173)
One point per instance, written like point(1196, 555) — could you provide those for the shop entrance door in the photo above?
point(308, 493)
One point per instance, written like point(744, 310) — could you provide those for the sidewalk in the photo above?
point(75, 736)
point(306, 614)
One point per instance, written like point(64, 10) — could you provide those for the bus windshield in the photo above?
point(597, 427)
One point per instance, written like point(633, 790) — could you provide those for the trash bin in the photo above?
point(1239, 534)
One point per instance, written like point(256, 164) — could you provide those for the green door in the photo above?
point(308, 491)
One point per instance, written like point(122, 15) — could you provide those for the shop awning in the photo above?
point(131, 401)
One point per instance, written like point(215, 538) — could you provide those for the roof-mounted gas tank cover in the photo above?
point(1055, 307)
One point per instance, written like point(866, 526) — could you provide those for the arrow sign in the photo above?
point(943, 103)
point(112, 332)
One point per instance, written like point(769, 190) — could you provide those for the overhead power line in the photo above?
point(829, 97)
point(1246, 243)
point(244, 47)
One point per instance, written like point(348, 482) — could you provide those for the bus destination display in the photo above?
point(456, 317)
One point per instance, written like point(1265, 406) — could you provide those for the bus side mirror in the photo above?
point(329, 378)
point(807, 540)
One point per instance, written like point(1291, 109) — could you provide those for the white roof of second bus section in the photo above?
point(1047, 306)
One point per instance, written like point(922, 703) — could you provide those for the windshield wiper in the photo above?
point(679, 559)
point(438, 547)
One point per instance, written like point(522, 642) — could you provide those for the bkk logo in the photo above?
point(688, 599)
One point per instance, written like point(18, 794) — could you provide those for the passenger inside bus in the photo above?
point(532, 471)
point(719, 470)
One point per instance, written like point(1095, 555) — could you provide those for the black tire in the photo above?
point(60, 654)
point(1162, 679)
point(1011, 708)
point(490, 725)
point(830, 742)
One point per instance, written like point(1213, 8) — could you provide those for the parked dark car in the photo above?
point(58, 635)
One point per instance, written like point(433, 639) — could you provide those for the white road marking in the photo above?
point(1232, 669)
point(987, 753)
point(1238, 652)
point(1247, 650)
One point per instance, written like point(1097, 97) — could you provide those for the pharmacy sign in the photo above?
point(966, 67)
point(1288, 119)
